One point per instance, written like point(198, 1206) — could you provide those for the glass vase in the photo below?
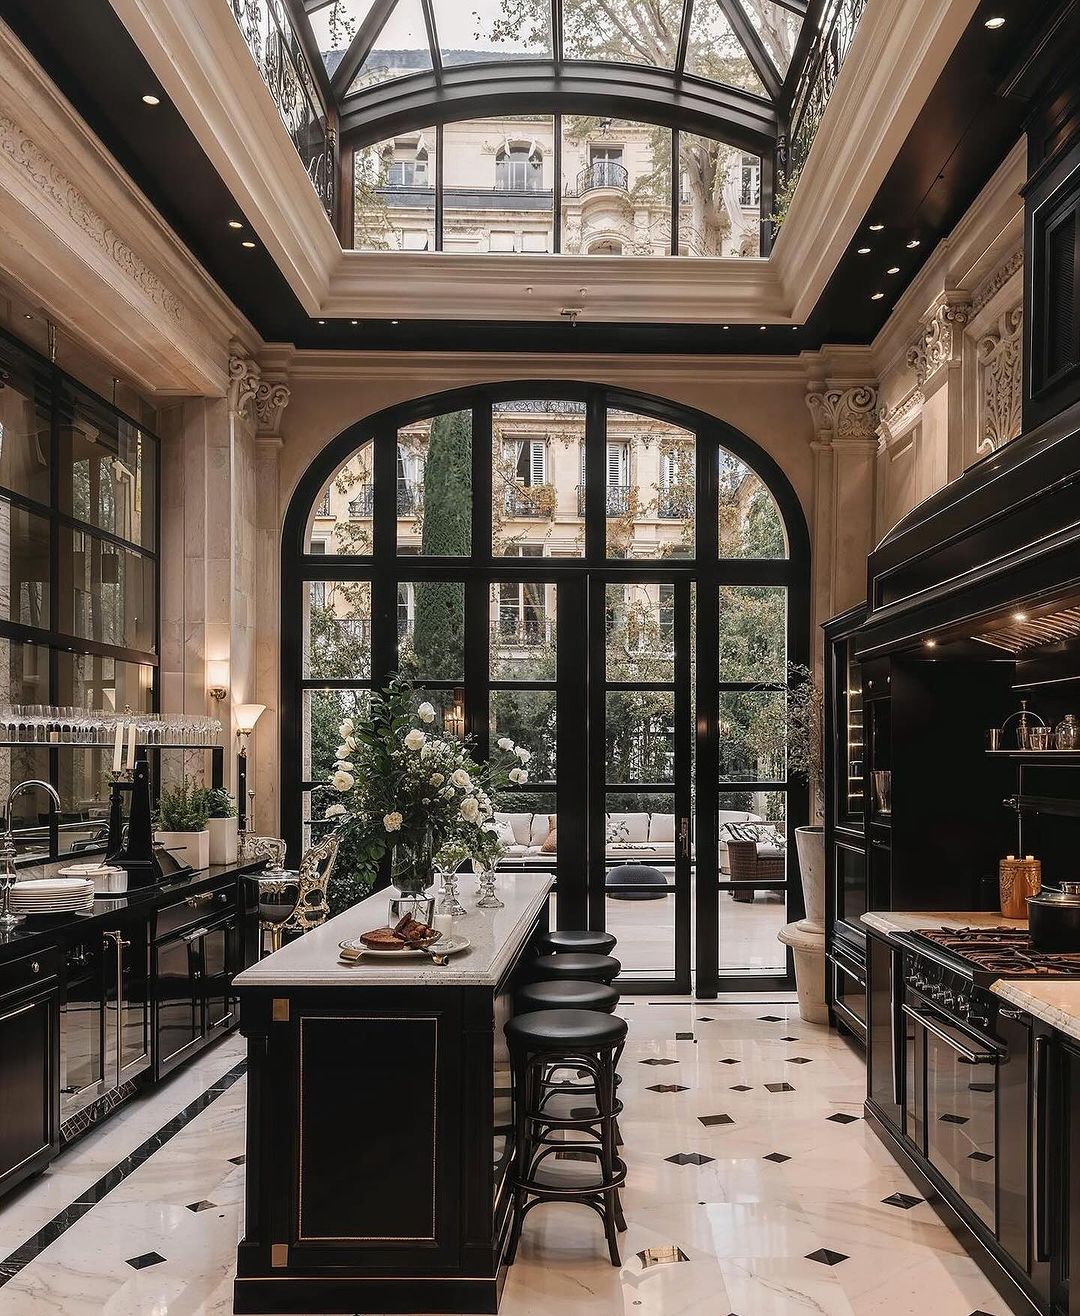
point(486, 880)
point(449, 903)
point(413, 870)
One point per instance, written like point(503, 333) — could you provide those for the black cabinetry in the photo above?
point(885, 1031)
point(29, 1059)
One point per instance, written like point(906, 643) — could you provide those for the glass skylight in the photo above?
point(335, 24)
point(716, 53)
point(624, 33)
point(777, 27)
point(484, 32)
point(400, 49)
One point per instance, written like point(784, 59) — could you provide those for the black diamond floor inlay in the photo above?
point(842, 1118)
point(779, 1087)
point(706, 1019)
point(903, 1200)
point(147, 1259)
point(689, 1158)
point(789, 1039)
point(799, 1060)
point(204, 1205)
point(742, 1087)
point(770, 1019)
point(952, 1119)
point(657, 1060)
point(237, 1160)
point(685, 1037)
point(667, 1087)
point(979, 1156)
point(729, 1061)
point(710, 1120)
point(777, 1158)
point(826, 1256)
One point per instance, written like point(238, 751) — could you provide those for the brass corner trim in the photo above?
point(279, 1255)
point(280, 1010)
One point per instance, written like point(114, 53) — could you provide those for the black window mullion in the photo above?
point(477, 663)
point(676, 187)
point(572, 748)
point(556, 188)
point(440, 199)
point(482, 458)
point(683, 777)
point(596, 478)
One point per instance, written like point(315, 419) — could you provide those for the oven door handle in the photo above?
point(1039, 1149)
point(930, 1022)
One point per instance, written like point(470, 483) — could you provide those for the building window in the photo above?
point(606, 167)
point(413, 239)
point(528, 457)
point(408, 170)
point(519, 169)
point(750, 181)
point(501, 240)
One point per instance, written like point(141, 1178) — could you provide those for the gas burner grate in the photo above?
point(1006, 951)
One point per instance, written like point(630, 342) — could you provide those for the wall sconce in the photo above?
point(455, 715)
point(217, 678)
point(246, 716)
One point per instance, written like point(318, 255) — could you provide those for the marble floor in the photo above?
point(755, 1188)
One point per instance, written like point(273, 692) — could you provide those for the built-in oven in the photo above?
point(847, 966)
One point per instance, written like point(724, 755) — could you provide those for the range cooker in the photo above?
point(972, 1081)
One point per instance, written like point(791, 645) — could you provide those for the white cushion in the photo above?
point(766, 851)
point(540, 828)
point(627, 828)
point(521, 824)
point(516, 850)
point(662, 827)
point(503, 830)
point(738, 816)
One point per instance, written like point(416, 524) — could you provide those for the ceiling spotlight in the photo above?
point(931, 644)
point(994, 23)
point(893, 269)
point(725, 326)
point(393, 322)
point(762, 326)
point(320, 321)
point(864, 251)
point(235, 223)
point(27, 315)
point(876, 228)
point(247, 243)
point(354, 321)
point(913, 244)
point(150, 99)
point(1019, 616)
point(876, 296)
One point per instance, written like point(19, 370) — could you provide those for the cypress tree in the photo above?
point(439, 636)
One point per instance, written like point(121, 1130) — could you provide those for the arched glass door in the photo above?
point(614, 582)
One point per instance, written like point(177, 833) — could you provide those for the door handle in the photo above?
point(1040, 1250)
point(926, 1020)
point(684, 837)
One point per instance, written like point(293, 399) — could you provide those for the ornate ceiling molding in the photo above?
point(244, 381)
point(896, 421)
point(271, 399)
point(938, 343)
point(844, 415)
point(256, 399)
point(1000, 357)
point(1000, 277)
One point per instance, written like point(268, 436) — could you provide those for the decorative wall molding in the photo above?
point(255, 398)
point(1000, 358)
point(244, 381)
point(896, 421)
point(271, 399)
point(993, 285)
point(844, 415)
point(939, 341)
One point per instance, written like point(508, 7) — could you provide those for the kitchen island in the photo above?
point(378, 1119)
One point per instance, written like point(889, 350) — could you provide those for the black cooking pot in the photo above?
point(1054, 918)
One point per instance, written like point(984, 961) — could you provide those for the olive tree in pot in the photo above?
point(223, 826)
point(181, 824)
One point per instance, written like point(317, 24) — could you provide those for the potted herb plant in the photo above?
point(223, 826)
point(181, 823)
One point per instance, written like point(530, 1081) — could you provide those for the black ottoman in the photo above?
point(635, 875)
point(598, 943)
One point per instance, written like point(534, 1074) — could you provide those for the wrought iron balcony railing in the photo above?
point(279, 57)
point(675, 504)
point(410, 500)
point(536, 500)
point(818, 76)
point(603, 173)
point(616, 500)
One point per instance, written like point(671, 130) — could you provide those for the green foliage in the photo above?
point(182, 808)
point(219, 803)
point(439, 634)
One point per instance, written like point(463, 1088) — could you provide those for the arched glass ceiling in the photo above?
point(742, 45)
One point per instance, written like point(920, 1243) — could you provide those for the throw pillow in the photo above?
point(550, 840)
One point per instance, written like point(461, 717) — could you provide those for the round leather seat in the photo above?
point(567, 994)
point(635, 875)
point(574, 964)
point(573, 939)
point(572, 1030)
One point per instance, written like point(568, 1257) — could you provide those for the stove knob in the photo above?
point(979, 1020)
point(962, 1007)
point(947, 998)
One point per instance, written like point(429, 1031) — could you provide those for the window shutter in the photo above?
point(616, 464)
point(537, 462)
point(669, 470)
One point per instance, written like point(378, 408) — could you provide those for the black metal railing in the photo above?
point(603, 173)
point(520, 503)
point(515, 634)
point(817, 79)
point(279, 56)
point(676, 504)
point(616, 500)
point(410, 499)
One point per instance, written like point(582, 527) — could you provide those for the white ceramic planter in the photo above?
point(188, 847)
point(808, 948)
point(810, 843)
point(224, 839)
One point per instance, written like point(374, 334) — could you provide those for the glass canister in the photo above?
point(1067, 732)
point(1018, 879)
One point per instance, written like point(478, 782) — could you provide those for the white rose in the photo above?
point(342, 781)
point(426, 713)
point(342, 752)
point(506, 743)
point(335, 811)
point(346, 728)
point(414, 740)
point(461, 778)
point(351, 742)
point(470, 809)
point(392, 821)
point(518, 776)
point(523, 754)
point(345, 766)
point(437, 779)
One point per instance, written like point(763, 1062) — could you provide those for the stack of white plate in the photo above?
point(52, 895)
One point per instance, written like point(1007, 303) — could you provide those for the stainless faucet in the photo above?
point(8, 852)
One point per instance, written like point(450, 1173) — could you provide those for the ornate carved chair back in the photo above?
point(270, 848)
point(316, 868)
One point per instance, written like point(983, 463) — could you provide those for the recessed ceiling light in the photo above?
point(876, 296)
point(393, 322)
point(725, 326)
point(893, 269)
point(864, 251)
point(931, 644)
point(994, 23)
point(354, 321)
point(876, 228)
point(1019, 616)
point(320, 322)
point(913, 244)
point(27, 315)
point(762, 326)
point(247, 243)
point(150, 99)
point(235, 223)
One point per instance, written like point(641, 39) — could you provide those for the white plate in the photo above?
point(54, 886)
point(444, 946)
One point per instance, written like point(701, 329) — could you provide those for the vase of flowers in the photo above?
point(401, 784)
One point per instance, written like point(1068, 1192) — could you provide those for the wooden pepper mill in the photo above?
point(1018, 879)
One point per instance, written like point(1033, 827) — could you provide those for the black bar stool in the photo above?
point(551, 1039)
point(573, 939)
point(583, 965)
point(567, 994)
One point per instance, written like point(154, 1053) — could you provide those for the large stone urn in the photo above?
point(806, 936)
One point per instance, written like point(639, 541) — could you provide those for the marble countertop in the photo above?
point(1056, 1001)
point(495, 936)
point(890, 921)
